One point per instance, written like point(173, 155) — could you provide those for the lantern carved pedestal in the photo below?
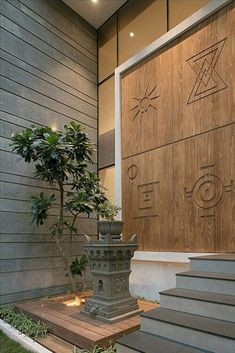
point(110, 265)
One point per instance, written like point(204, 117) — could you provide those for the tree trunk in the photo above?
point(72, 282)
point(66, 258)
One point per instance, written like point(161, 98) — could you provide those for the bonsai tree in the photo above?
point(108, 225)
point(107, 211)
point(61, 159)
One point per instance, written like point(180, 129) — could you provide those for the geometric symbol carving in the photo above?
point(144, 103)
point(208, 80)
point(132, 171)
point(119, 284)
point(208, 226)
point(146, 200)
point(207, 191)
point(228, 188)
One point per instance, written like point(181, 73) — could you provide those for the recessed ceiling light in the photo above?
point(132, 34)
point(94, 1)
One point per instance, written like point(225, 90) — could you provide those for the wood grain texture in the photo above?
point(80, 330)
point(194, 78)
point(56, 344)
point(147, 194)
point(107, 149)
point(179, 159)
point(146, 112)
point(203, 73)
point(204, 174)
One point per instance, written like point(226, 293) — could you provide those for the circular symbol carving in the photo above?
point(132, 171)
point(208, 191)
point(144, 104)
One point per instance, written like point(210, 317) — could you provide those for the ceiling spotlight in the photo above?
point(94, 1)
point(132, 34)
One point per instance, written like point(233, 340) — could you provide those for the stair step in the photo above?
point(217, 306)
point(221, 283)
point(203, 296)
point(219, 257)
point(205, 333)
point(213, 275)
point(196, 322)
point(223, 263)
point(145, 343)
point(56, 344)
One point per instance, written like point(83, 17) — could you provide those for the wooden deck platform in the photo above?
point(67, 323)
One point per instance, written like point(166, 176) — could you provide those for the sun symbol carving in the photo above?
point(145, 102)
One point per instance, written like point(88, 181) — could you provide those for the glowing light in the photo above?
point(132, 34)
point(75, 302)
point(94, 1)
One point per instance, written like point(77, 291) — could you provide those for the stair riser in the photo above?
point(213, 310)
point(206, 284)
point(123, 349)
point(188, 336)
point(213, 266)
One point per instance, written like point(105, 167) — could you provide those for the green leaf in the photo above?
point(39, 206)
point(79, 266)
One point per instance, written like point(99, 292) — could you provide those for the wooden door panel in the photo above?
point(204, 175)
point(146, 112)
point(148, 199)
point(203, 68)
point(178, 142)
point(183, 90)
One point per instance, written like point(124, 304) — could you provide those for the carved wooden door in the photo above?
point(178, 142)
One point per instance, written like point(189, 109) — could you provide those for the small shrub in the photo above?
point(108, 211)
point(96, 349)
point(22, 323)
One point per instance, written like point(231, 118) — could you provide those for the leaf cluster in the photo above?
point(56, 154)
point(97, 349)
point(22, 323)
point(87, 195)
point(62, 159)
point(39, 206)
point(108, 211)
point(79, 266)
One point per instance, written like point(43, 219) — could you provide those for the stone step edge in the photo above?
point(132, 341)
point(223, 299)
point(191, 321)
point(218, 257)
point(210, 275)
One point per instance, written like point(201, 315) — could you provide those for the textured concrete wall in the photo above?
point(49, 75)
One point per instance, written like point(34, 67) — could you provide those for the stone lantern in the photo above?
point(110, 260)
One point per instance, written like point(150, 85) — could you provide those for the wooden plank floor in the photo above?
point(67, 323)
point(56, 344)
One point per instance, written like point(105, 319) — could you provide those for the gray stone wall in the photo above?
point(49, 75)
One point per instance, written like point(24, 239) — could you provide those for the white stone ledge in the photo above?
point(24, 340)
point(173, 257)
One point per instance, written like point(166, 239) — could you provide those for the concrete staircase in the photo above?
point(196, 316)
